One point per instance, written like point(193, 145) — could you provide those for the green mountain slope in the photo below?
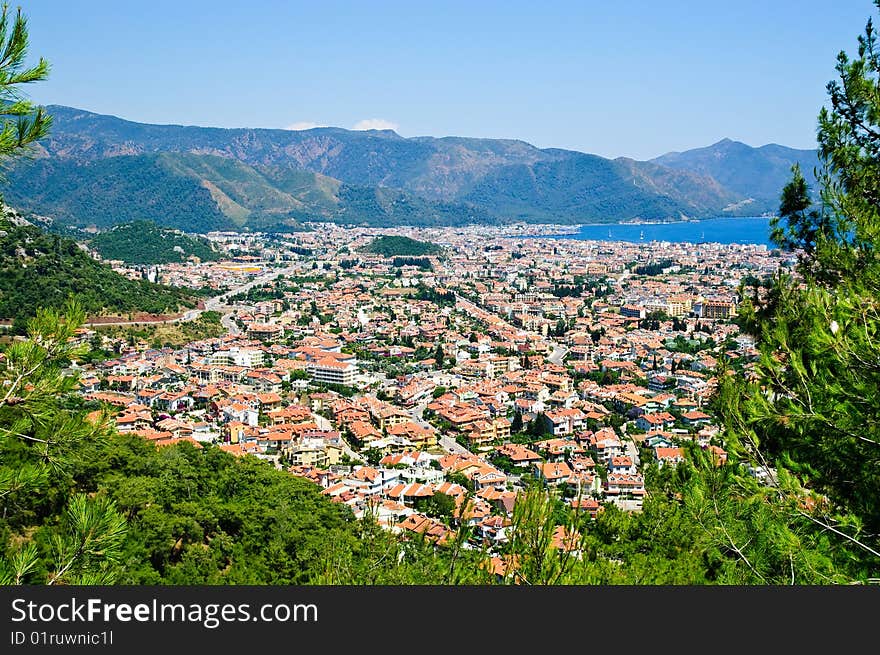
point(108, 192)
point(102, 170)
point(578, 188)
point(41, 270)
point(143, 242)
point(758, 173)
point(201, 193)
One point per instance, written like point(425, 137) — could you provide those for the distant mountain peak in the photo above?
point(750, 172)
point(99, 169)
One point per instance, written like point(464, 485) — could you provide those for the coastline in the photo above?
point(741, 230)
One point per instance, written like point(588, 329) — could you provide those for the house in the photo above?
point(332, 371)
point(556, 450)
point(582, 483)
point(718, 454)
point(149, 397)
point(269, 401)
point(493, 529)
point(561, 422)
point(621, 464)
point(668, 455)
point(133, 420)
point(566, 540)
point(234, 431)
point(625, 485)
point(240, 412)
point(695, 417)
point(372, 481)
point(409, 494)
point(485, 431)
point(418, 435)
point(433, 529)
point(552, 473)
point(314, 452)
point(519, 455)
point(488, 476)
point(589, 505)
point(291, 414)
point(175, 401)
point(655, 421)
point(415, 391)
point(503, 501)
point(606, 444)
point(364, 433)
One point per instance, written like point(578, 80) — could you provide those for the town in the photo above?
point(429, 391)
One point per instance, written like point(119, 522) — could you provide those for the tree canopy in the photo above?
point(811, 406)
point(21, 122)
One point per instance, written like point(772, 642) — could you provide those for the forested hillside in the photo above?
point(102, 170)
point(143, 242)
point(38, 269)
point(397, 246)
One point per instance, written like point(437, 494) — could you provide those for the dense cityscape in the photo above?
point(242, 352)
point(428, 391)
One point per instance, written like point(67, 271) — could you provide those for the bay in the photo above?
point(750, 229)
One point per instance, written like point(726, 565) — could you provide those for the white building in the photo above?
point(331, 371)
point(247, 357)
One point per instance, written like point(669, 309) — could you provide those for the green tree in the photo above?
point(22, 123)
point(41, 443)
point(517, 424)
point(40, 439)
point(811, 408)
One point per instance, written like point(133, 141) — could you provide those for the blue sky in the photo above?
point(615, 78)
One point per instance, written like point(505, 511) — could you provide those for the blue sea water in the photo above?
point(752, 229)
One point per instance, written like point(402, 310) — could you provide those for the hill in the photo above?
point(397, 246)
point(143, 242)
point(200, 193)
point(41, 270)
point(101, 170)
point(757, 173)
point(583, 188)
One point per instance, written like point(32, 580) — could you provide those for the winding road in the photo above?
point(216, 303)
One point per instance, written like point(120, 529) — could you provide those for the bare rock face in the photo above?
point(11, 215)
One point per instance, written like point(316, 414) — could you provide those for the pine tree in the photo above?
point(812, 407)
point(40, 440)
point(21, 123)
point(517, 424)
point(40, 437)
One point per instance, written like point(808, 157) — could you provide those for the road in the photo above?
point(229, 323)
point(447, 443)
point(216, 303)
point(559, 351)
point(418, 412)
point(324, 424)
point(629, 445)
point(452, 446)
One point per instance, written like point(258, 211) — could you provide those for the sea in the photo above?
point(750, 229)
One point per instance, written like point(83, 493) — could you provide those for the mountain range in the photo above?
point(97, 171)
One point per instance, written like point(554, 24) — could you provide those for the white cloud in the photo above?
point(303, 125)
point(374, 124)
